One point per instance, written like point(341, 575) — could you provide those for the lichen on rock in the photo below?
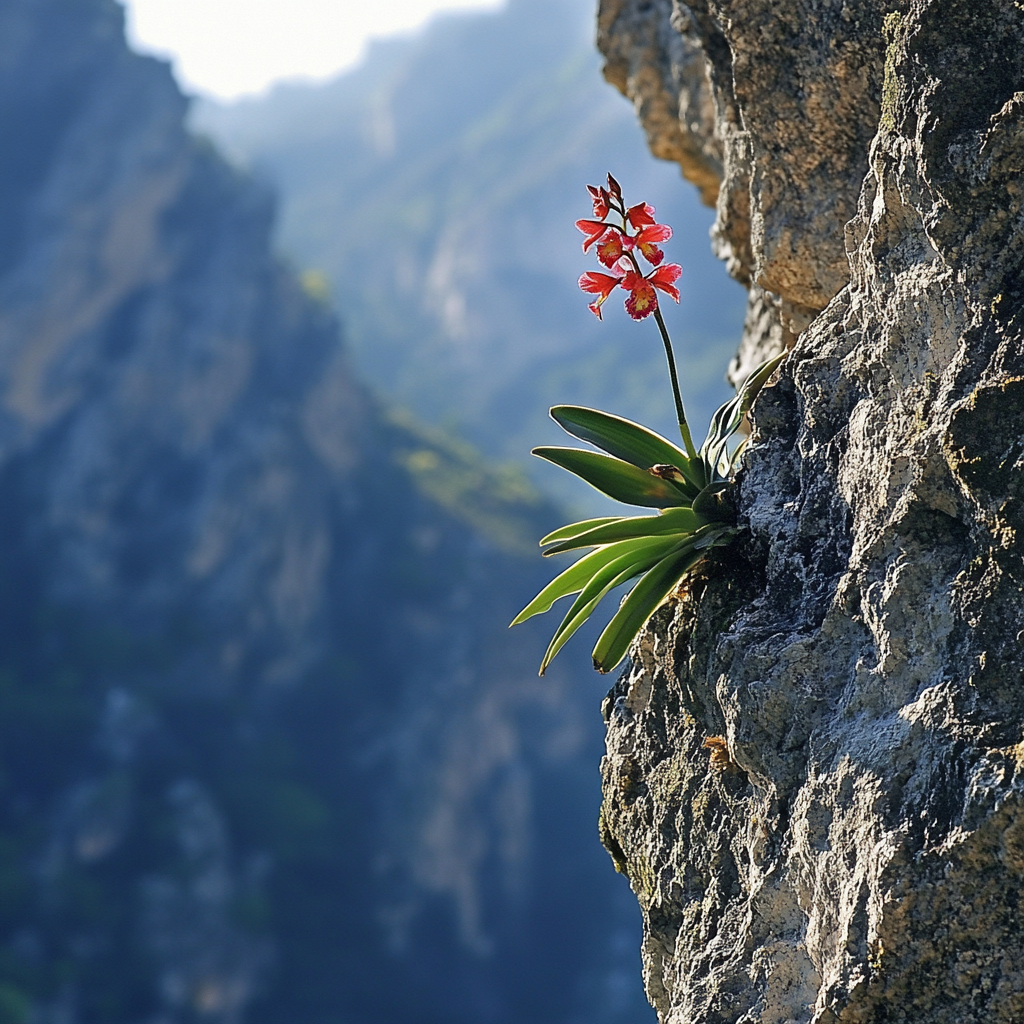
point(860, 854)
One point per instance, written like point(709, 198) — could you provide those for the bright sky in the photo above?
point(231, 48)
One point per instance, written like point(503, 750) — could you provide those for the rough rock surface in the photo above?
point(795, 93)
point(850, 844)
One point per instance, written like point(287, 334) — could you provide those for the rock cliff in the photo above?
point(267, 749)
point(814, 770)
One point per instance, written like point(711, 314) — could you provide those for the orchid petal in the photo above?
point(642, 301)
point(593, 229)
point(596, 283)
point(663, 277)
point(651, 253)
point(667, 274)
point(654, 233)
point(600, 199)
point(611, 247)
point(640, 215)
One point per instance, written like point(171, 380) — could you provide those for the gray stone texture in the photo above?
point(854, 852)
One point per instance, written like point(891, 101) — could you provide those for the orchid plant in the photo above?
point(635, 465)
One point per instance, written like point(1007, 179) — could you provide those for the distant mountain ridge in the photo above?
point(434, 189)
point(268, 754)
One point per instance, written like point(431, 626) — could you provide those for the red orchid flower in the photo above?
point(602, 201)
point(615, 246)
point(643, 299)
point(602, 285)
point(612, 246)
point(664, 279)
point(593, 229)
point(640, 215)
point(645, 239)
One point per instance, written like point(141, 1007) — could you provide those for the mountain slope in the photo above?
point(435, 189)
point(267, 751)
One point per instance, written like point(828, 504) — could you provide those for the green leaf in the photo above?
point(626, 440)
point(727, 419)
point(673, 520)
point(659, 548)
point(583, 607)
point(724, 424)
point(639, 606)
point(617, 479)
point(753, 384)
point(632, 562)
point(734, 459)
point(575, 529)
point(714, 536)
point(707, 504)
point(575, 578)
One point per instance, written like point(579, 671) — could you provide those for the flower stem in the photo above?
point(684, 429)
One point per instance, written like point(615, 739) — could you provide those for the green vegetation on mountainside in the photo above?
point(432, 192)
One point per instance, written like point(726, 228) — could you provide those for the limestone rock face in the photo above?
point(794, 89)
point(848, 845)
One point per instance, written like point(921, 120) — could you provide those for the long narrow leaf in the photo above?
point(617, 572)
point(717, 429)
point(706, 503)
point(673, 520)
point(724, 424)
point(570, 581)
point(753, 384)
point(617, 479)
point(714, 536)
point(727, 419)
point(617, 436)
point(583, 608)
point(575, 529)
point(576, 577)
point(639, 606)
point(625, 440)
point(631, 559)
point(734, 459)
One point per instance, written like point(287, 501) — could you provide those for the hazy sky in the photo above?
point(233, 47)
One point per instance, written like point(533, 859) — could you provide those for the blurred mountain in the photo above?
point(268, 754)
point(432, 192)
